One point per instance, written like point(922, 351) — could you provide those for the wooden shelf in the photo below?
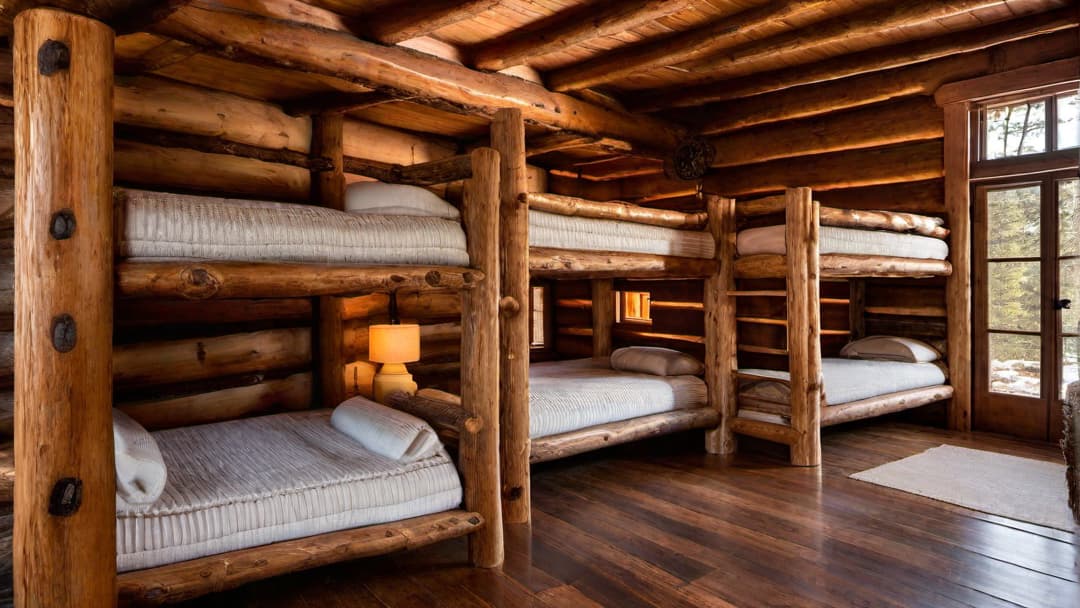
point(203, 280)
point(762, 321)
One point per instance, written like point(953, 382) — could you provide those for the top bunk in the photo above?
point(572, 237)
point(847, 243)
point(384, 236)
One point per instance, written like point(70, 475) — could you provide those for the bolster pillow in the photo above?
point(386, 431)
point(140, 470)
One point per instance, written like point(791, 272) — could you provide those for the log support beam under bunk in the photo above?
point(508, 138)
point(575, 264)
point(65, 532)
point(478, 453)
point(567, 444)
point(804, 325)
point(721, 331)
point(328, 190)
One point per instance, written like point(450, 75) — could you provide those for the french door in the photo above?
point(1027, 302)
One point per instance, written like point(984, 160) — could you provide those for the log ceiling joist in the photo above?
point(569, 28)
point(901, 121)
point(337, 103)
point(920, 79)
point(873, 60)
point(406, 20)
point(850, 169)
point(400, 73)
point(123, 15)
point(677, 48)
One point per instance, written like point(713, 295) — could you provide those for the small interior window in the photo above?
point(634, 307)
point(1015, 129)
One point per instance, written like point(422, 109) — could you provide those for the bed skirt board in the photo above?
point(554, 447)
point(183, 581)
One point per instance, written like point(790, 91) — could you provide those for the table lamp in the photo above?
point(393, 345)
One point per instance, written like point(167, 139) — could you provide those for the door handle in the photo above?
point(1062, 304)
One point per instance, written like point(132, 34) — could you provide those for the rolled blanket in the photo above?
point(386, 431)
point(140, 470)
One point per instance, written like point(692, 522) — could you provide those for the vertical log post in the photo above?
point(328, 189)
point(65, 501)
point(479, 452)
point(857, 308)
point(804, 324)
point(603, 316)
point(508, 138)
point(721, 333)
point(958, 284)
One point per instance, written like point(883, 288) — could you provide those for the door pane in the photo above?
point(1069, 216)
point(1015, 365)
point(1070, 354)
point(1068, 121)
point(1069, 275)
point(1013, 219)
point(1016, 129)
point(1014, 290)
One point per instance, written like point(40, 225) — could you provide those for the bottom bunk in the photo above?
point(584, 404)
point(206, 508)
point(852, 389)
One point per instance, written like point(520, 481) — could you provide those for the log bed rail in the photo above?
point(67, 278)
point(798, 423)
point(519, 262)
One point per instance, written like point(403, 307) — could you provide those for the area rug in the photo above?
point(1024, 489)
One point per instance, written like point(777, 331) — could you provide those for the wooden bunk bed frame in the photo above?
point(519, 262)
point(804, 268)
point(64, 534)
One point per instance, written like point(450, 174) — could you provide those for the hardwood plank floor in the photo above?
point(662, 524)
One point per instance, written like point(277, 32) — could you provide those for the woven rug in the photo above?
point(1025, 489)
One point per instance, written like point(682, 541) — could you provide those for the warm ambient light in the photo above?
point(393, 346)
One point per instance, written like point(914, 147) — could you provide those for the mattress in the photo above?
point(571, 395)
point(770, 239)
point(591, 234)
point(166, 225)
point(261, 480)
point(848, 380)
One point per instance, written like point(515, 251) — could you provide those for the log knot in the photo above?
point(433, 278)
point(474, 520)
point(199, 282)
point(53, 56)
point(66, 497)
point(62, 225)
point(64, 333)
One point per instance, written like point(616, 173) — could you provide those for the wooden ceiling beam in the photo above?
point(850, 169)
point(407, 20)
point(122, 15)
point(401, 73)
point(872, 60)
point(677, 48)
point(875, 87)
point(568, 28)
point(902, 121)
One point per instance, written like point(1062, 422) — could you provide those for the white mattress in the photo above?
point(848, 380)
point(571, 395)
point(591, 234)
point(261, 480)
point(172, 226)
point(770, 239)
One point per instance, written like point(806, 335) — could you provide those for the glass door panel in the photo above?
point(1068, 303)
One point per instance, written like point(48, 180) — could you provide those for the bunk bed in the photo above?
point(551, 410)
point(812, 245)
point(247, 498)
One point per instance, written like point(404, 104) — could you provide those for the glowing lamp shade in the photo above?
point(394, 343)
point(393, 346)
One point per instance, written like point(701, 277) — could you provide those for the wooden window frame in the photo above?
point(548, 318)
point(620, 308)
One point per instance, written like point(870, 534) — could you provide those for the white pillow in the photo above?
point(378, 198)
point(891, 348)
point(656, 361)
point(386, 431)
point(140, 470)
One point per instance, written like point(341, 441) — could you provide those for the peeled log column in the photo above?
point(508, 138)
point(65, 531)
point(479, 453)
point(804, 325)
point(721, 330)
point(328, 188)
